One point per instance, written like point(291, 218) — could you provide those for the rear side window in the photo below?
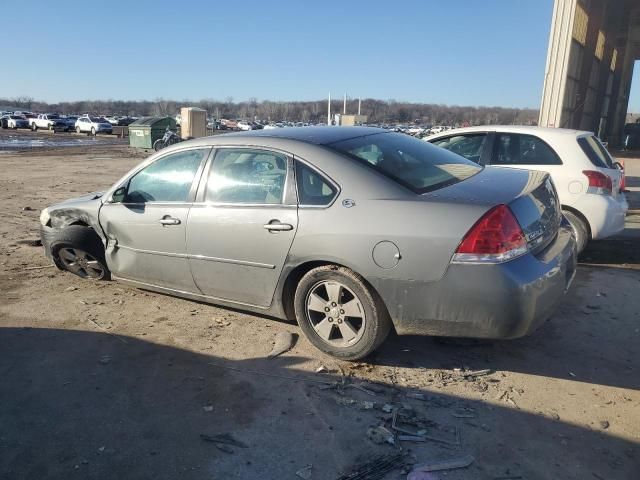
point(518, 149)
point(313, 188)
point(469, 146)
point(247, 176)
point(414, 163)
point(595, 151)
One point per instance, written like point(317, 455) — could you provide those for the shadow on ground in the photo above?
point(76, 404)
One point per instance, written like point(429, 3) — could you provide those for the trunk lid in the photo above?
point(529, 194)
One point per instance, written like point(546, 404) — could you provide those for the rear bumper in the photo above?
point(507, 300)
point(604, 213)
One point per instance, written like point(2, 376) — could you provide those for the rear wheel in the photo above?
point(580, 230)
point(79, 250)
point(339, 313)
point(158, 144)
point(93, 131)
point(78, 130)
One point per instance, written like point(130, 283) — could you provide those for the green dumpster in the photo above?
point(144, 131)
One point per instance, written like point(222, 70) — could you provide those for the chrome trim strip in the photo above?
point(199, 257)
point(186, 294)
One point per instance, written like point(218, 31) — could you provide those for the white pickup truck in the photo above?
point(48, 121)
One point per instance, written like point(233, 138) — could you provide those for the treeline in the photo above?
point(378, 111)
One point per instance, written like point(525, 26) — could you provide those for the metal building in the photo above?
point(592, 48)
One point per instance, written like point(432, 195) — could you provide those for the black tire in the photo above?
point(158, 145)
point(34, 127)
point(375, 327)
point(78, 130)
point(580, 230)
point(93, 131)
point(81, 238)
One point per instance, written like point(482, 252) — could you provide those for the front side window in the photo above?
point(247, 176)
point(469, 146)
point(517, 149)
point(313, 188)
point(168, 179)
point(414, 163)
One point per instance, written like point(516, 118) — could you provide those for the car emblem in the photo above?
point(348, 203)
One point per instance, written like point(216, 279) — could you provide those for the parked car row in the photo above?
point(55, 122)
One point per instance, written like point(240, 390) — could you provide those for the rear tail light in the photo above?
point(495, 238)
point(599, 182)
point(623, 179)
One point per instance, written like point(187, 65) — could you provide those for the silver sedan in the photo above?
point(350, 231)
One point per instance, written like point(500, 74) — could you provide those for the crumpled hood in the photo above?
point(84, 198)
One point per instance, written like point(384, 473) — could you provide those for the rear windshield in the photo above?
point(596, 152)
point(414, 163)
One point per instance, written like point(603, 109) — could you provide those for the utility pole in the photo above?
point(344, 108)
point(359, 104)
point(329, 110)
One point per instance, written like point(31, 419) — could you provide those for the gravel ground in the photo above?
point(99, 380)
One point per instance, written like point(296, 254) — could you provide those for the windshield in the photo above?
point(414, 163)
point(54, 116)
point(596, 152)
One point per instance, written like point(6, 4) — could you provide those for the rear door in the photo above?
point(240, 230)
point(146, 225)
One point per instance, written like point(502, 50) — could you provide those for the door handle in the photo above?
point(276, 226)
point(167, 220)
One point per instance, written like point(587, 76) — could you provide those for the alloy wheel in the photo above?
point(335, 313)
point(81, 263)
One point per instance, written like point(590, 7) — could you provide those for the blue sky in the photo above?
point(461, 52)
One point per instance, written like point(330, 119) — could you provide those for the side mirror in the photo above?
point(618, 165)
point(119, 195)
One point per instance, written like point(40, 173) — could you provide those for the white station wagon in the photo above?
point(589, 181)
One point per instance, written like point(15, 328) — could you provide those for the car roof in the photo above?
point(533, 130)
point(314, 135)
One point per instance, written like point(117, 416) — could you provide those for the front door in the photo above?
point(240, 231)
point(146, 227)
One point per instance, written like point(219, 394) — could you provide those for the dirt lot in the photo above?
point(98, 380)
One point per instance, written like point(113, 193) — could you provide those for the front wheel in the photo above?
point(93, 131)
point(78, 130)
point(79, 250)
point(158, 145)
point(340, 313)
point(34, 127)
point(580, 230)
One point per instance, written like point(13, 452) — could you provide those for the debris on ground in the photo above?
point(283, 343)
point(223, 441)
point(208, 408)
point(387, 408)
point(105, 359)
point(604, 424)
point(449, 464)
point(380, 435)
point(422, 429)
point(376, 468)
point(70, 289)
point(322, 369)
point(27, 209)
point(221, 323)
point(36, 242)
point(416, 475)
point(305, 472)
